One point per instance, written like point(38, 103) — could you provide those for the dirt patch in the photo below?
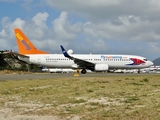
point(7, 114)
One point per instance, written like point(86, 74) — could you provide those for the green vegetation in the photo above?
point(3, 63)
point(11, 62)
point(102, 98)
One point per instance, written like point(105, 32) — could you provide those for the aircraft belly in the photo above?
point(56, 64)
point(116, 65)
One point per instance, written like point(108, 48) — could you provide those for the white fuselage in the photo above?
point(113, 61)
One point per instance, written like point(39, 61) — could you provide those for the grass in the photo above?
point(105, 98)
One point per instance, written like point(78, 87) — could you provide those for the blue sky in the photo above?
point(93, 26)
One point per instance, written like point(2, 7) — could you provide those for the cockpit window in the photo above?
point(145, 59)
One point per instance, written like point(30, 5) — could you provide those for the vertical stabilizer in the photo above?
point(24, 44)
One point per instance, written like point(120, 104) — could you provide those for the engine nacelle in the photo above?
point(101, 67)
point(74, 66)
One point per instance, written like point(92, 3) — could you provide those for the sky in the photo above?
point(92, 26)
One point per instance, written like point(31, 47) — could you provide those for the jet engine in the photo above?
point(101, 67)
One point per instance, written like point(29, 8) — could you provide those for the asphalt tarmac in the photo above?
point(64, 75)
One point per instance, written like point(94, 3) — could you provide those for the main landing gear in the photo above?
point(83, 71)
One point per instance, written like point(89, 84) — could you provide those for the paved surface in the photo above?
point(61, 75)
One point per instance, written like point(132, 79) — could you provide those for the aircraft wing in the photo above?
point(80, 62)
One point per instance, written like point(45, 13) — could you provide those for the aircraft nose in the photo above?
point(150, 63)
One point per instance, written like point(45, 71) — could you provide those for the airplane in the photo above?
point(94, 62)
point(150, 69)
point(126, 71)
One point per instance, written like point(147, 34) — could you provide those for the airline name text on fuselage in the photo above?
point(112, 57)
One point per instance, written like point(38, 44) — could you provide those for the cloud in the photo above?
point(40, 20)
point(96, 26)
point(116, 22)
point(122, 19)
point(7, 33)
point(36, 29)
point(106, 9)
point(65, 31)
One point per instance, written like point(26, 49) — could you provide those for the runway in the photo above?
point(61, 75)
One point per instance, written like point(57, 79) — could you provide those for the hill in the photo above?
point(11, 62)
point(157, 61)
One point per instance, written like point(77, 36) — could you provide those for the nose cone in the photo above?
point(150, 63)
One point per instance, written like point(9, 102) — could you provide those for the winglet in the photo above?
point(64, 51)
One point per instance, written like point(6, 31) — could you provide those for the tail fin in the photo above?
point(24, 45)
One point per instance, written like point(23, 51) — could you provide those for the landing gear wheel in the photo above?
point(83, 71)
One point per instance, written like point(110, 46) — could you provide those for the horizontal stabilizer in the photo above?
point(18, 54)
